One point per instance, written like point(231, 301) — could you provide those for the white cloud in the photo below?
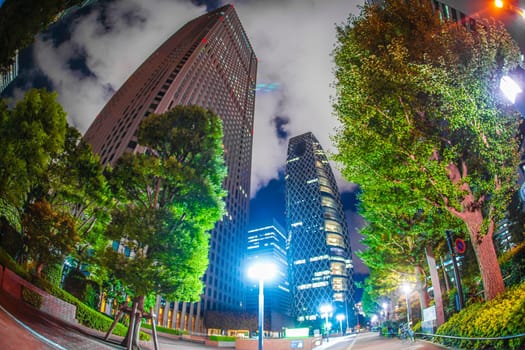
point(293, 40)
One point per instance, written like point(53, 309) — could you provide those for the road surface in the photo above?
point(372, 341)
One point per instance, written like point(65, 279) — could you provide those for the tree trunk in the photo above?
point(483, 244)
point(424, 298)
point(138, 304)
point(485, 253)
point(436, 286)
point(39, 269)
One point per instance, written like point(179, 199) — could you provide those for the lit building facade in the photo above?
point(268, 243)
point(10, 75)
point(319, 253)
point(209, 62)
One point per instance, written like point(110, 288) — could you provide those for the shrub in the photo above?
point(221, 338)
point(502, 316)
point(166, 330)
point(7, 261)
point(85, 315)
point(31, 297)
point(513, 265)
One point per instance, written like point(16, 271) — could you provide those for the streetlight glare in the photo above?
point(262, 270)
point(498, 3)
point(509, 88)
point(340, 317)
point(407, 288)
point(325, 309)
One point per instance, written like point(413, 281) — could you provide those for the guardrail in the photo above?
point(504, 339)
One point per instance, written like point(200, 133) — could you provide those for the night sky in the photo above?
point(88, 55)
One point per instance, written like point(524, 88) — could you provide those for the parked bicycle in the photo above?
point(406, 332)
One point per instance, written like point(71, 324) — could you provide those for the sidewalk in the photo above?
point(31, 329)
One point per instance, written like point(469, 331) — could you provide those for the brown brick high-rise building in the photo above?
point(209, 62)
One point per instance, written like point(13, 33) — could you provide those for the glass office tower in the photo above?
point(319, 254)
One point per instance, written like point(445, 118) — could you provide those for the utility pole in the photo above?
point(457, 280)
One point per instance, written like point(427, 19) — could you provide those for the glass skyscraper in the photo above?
point(319, 254)
point(268, 243)
point(209, 62)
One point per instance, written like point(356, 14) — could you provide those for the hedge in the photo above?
point(31, 297)
point(222, 338)
point(165, 330)
point(85, 315)
point(502, 316)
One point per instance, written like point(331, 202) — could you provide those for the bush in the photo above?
point(7, 261)
point(513, 265)
point(221, 338)
point(166, 330)
point(86, 315)
point(502, 316)
point(31, 297)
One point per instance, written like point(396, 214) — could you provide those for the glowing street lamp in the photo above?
point(407, 288)
point(262, 271)
point(340, 318)
point(325, 311)
point(514, 93)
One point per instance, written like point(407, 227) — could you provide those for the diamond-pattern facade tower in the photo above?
point(319, 254)
point(209, 62)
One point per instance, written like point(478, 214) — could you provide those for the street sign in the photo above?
point(460, 245)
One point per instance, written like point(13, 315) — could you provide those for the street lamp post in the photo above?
point(407, 289)
point(262, 271)
point(385, 309)
point(325, 310)
point(340, 318)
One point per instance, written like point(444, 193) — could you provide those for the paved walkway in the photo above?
point(24, 327)
point(28, 328)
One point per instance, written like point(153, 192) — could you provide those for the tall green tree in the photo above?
point(420, 111)
point(171, 196)
point(22, 20)
point(48, 235)
point(31, 135)
point(75, 184)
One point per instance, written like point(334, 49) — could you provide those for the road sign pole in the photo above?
point(457, 280)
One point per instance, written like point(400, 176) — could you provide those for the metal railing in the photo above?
point(504, 339)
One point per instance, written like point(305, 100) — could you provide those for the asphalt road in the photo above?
point(372, 341)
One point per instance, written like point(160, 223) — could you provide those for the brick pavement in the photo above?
point(65, 335)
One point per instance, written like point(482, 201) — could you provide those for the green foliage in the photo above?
point(7, 261)
point(22, 20)
point(222, 338)
point(424, 131)
point(513, 265)
point(502, 316)
point(31, 297)
point(85, 315)
point(166, 330)
point(48, 235)
point(31, 134)
point(169, 199)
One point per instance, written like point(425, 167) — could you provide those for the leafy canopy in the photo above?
point(423, 125)
point(171, 196)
